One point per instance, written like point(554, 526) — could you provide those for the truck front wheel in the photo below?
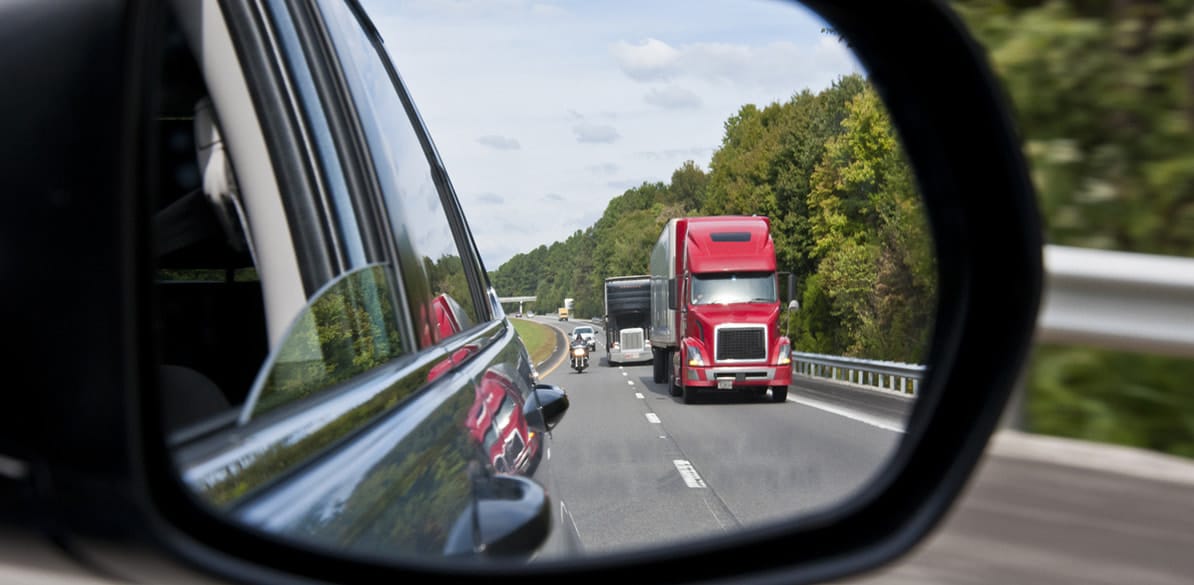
point(779, 393)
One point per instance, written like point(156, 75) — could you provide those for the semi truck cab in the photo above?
point(718, 278)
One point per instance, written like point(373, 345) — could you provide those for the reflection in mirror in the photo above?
point(349, 328)
point(603, 121)
point(771, 363)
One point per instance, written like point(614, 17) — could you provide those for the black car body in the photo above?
point(318, 317)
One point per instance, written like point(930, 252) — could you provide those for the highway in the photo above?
point(637, 467)
point(1039, 510)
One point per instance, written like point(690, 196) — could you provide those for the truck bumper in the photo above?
point(630, 356)
point(729, 377)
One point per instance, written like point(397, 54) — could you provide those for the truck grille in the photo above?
point(741, 343)
point(632, 340)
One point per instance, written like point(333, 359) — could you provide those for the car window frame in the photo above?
point(475, 275)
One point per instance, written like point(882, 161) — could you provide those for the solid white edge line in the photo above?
point(862, 418)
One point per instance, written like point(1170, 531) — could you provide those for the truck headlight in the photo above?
point(785, 354)
point(694, 356)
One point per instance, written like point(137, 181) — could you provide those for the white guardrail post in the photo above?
point(894, 376)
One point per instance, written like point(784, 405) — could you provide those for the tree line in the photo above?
point(828, 170)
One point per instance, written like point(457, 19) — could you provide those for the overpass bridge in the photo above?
point(519, 300)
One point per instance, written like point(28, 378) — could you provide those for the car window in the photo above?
point(414, 201)
point(319, 132)
point(349, 328)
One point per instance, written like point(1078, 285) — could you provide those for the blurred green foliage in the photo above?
point(1103, 94)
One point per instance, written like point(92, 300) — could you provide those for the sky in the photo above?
point(542, 111)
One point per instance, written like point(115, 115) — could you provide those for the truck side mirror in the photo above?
point(671, 294)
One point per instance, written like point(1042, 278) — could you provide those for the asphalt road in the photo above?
point(638, 467)
point(1039, 510)
point(1062, 522)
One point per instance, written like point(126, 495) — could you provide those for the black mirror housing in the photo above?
point(553, 401)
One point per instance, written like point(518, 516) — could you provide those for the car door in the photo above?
point(354, 433)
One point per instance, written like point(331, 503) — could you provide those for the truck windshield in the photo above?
point(710, 289)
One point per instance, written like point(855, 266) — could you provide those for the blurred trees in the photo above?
point(1103, 94)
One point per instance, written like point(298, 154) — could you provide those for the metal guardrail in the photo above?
point(895, 376)
point(1101, 298)
point(1118, 300)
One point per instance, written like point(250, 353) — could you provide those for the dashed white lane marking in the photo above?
point(652, 417)
point(630, 382)
point(624, 373)
point(689, 473)
point(639, 395)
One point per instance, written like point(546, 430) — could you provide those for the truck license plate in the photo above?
point(725, 384)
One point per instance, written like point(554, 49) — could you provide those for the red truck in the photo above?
point(715, 308)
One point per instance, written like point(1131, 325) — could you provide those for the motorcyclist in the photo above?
point(579, 340)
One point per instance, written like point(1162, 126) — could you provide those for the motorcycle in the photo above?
point(580, 356)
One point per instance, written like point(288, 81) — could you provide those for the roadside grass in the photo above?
point(539, 338)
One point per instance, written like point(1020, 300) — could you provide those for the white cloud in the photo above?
point(602, 133)
point(650, 60)
point(499, 142)
point(772, 64)
point(491, 198)
point(672, 98)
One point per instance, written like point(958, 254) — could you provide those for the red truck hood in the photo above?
point(710, 316)
point(737, 313)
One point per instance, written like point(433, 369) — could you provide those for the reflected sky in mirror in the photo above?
point(552, 108)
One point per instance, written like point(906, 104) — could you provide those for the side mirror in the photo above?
point(553, 403)
point(671, 294)
point(510, 515)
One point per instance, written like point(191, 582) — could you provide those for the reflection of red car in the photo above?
point(450, 319)
point(449, 316)
point(496, 421)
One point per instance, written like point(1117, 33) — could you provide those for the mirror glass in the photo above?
point(573, 131)
point(710, 192)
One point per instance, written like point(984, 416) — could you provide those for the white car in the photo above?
point(589, 334)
